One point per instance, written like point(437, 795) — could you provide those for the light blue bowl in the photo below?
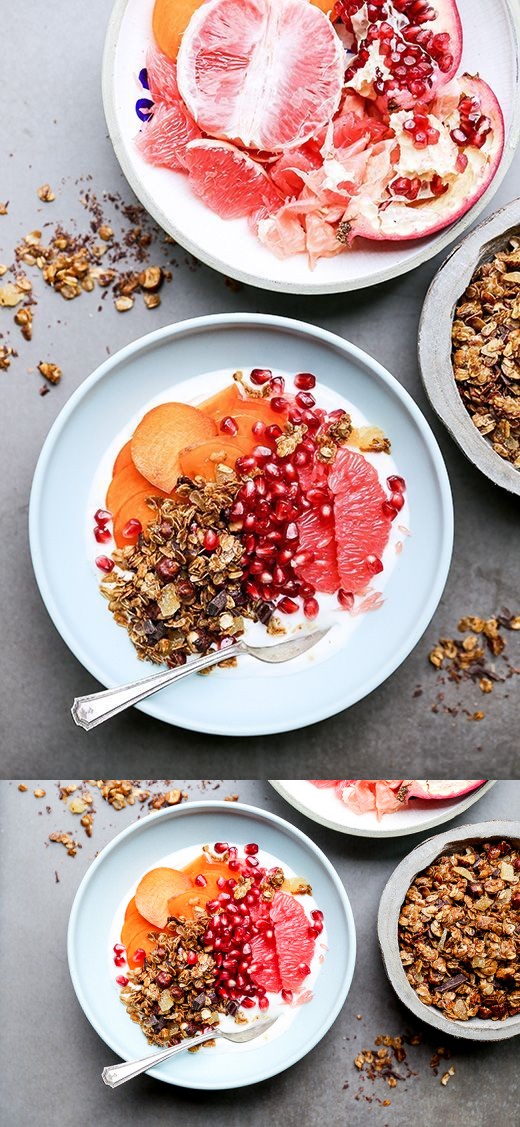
point(237, 703)
point(139, 848)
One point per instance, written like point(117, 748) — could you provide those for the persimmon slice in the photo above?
point(154, 891)
point(203, 460)
point(135, 508)
point(126, 483)
point(162, 434)
point(124, 458)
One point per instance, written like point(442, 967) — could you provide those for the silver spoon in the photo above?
point(118, 1074)
point(95, 708)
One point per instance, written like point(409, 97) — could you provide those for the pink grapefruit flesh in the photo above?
point(294, 946)
point(266, 959)
point(228, 180)
point(164, 139)
point(318, 536)
point(362, 529)
point(266, 74)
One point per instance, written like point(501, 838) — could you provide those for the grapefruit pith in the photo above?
point(228, 180)
point(267, 74)
point(362, 529)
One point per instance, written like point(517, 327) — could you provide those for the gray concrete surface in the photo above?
point(53, 130)
point(51, 1057)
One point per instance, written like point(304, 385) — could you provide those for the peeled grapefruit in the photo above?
point(265, 958)
point(267, 74)
point(294, 945)
point(164, 139)
point(362, 529)
point(318, 536)
point(229, 181)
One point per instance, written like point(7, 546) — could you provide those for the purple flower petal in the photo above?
point(143, 78)
point(144, 109)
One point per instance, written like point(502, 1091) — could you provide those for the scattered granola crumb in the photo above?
point(51, 372)
point(446, 1077)
point(5, 356)
point(39, 792)
point(24, 317)
point(56, 877)
point(22, 787)
point(124, 303)
point(231, 798)
point(67, 841)
point(45, 193)
point(4, 208)
point(479, 657)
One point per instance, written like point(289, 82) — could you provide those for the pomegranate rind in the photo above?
point(228, 180)
point(294, 946)
point(397, 220)
point(434, 790)
point(266, 74)
point(362, 529)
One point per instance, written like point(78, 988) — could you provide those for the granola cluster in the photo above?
point(172, 597)
point(486, 350)
point(169, 997)
point(472, 657)
point(459, 932)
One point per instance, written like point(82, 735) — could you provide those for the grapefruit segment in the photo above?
point(163, 142)
point(265, 956)
point(362, 529)
point(318, 536)
point(162, 77)
point(227, 180)
point(294, 946)
point(267, 74)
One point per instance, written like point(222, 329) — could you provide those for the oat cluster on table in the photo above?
point(480, 656)
point(486, 350)
point(459, 932)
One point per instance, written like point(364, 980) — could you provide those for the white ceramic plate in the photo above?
point(490, 49)
point(137, 849)
point(325, 807)
point(237, 701)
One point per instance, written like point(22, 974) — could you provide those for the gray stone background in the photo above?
point(52, 130)
point(52, 1059)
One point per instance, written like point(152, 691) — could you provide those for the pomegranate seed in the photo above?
point(221, 847)
point(302, 457)
point(224, 897)
point(221, 882)
point(102, 516)
point(311, 608)
point(261, 453)
point(389, 510)
point(273, 431)
point(245, 465)
point(374, 564)
point(229, 425)
point(231, 884)
point(287, 606)
point(211, 540)
point(305, 381)
point(397, 500)
point(139, 955)
point(102, 534)
point(345, 599)
point(104, 564)
point(291, 532)
point(295, 417)
point(304, 969)
point(312, 421)
point(119, 960)
point(326, 511)
point(258, 429)
point(118, 949)
point(307, 590)
point(252, 862)
point(396, 484)
point(317, 914)
point(269, 933)
point(277, 385)
point(313, 932)
point(200, 881)
point(251, 849)
point(287, 996)
point(260, 376)
point(249, 524)
point(285, 556)
point(132, 528)
point(234, 865)
point(248, 1003)
point(305, 400)
point(303, 557)
point(122, 980)
point(272, 470)
point(263, 1003)
point(279, 404)
point(212, 905)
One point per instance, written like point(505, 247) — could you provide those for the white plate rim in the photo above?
point(379, 830)
point(250, 320)
point(436, 244)
point(214, 806)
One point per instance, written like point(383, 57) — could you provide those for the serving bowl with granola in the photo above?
point(449, 930)
point(212, 916)
point(286, 482)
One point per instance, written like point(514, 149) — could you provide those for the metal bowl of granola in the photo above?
point(469, 346)
point(448, 927)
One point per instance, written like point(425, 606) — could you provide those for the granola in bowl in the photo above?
point(257, 510)
point(220, 939)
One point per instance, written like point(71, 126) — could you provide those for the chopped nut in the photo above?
point(152, 300)
point(39, 792)
point(10, 295)
point(3, 208)
point(46, 194)
point(151, 278)
point(22, 787)
point(123, 303)
point(51, 372)
point(24, 317)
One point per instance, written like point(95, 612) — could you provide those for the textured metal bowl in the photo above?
point(475, 1029)
point(435, 327)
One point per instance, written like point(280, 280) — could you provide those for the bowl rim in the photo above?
point(463, 804)
point(436, 244)
point(475, 1029)
point(434, 342)
point(215, 322)
point(215, 806)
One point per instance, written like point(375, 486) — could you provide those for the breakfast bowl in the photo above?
point(435, 341)
point(470, 837)
point(104, 908)
point(230, 244)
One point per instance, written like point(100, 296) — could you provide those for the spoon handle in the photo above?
point(95, 708)
point(117, 1074)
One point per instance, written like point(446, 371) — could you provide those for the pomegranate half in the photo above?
point(405, 49)
point(446, 155)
